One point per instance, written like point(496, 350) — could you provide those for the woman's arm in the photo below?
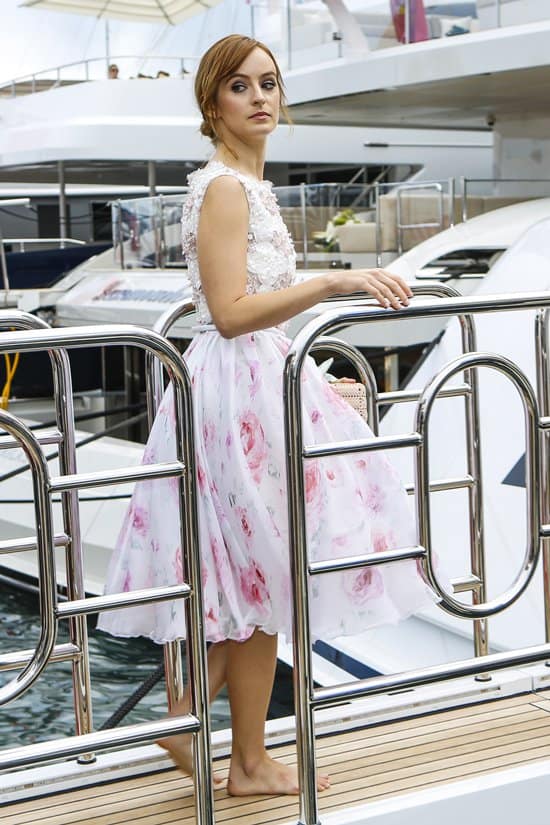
point(222, 250)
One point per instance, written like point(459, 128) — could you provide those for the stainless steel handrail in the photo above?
point(64, 436)
point(86, 64)
point(533, 476)
point(542, 331)
point(465, 181)
point(400, 226)
point(197, 721)
point(402, 187)
point(307, 697)
point(154, 386)
point(21, 242)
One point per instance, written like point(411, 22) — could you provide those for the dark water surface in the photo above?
point(118, 666)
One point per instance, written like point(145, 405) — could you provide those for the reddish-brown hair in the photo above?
point(219, 62)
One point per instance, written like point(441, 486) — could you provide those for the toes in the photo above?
point(323, 783)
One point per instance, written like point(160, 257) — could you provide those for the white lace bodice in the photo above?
point(271, 260)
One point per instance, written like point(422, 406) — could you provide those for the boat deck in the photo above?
point(365, 765)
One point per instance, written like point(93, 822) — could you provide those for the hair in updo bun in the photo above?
point(221, 61)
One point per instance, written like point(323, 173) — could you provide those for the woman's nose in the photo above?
point(259, 96)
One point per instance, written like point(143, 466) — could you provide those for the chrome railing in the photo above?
point(146, 231)
point(308, 697)
point(21, 243)
point(69, 538)
point(154, 388)
point(542, 185)
point(95, 68)
point(438, 224)
point(67, 483)
point(306, 37)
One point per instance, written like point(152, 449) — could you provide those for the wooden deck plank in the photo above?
point(364, 764)
point(396, 731)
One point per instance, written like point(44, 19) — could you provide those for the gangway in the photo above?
point(309, 699)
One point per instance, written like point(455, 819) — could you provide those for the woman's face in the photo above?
point(248, 101)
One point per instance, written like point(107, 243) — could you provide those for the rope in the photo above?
point(138, 694)
point(11, 368)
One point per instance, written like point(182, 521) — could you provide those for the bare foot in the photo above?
point(180, 749)
point(267, 777)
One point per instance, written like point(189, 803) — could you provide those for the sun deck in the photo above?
point(365, 764)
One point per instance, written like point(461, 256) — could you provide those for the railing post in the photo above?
point(304, 222)
point(452, 195)
point(303, 673)
point(4, 265)
point(464, 196)
point(62, 203)
point(289, 34)
point(542, 321)
point(120, 235)
point(475, 502)
point(407, 21)
point(378, 225)
point(74, 562)
point(154, 390)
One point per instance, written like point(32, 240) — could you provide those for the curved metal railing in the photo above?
point(68, 482)
point(53, 77)
point(308, 697)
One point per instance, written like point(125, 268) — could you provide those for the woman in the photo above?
point(242, 269)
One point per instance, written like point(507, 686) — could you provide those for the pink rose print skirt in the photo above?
point(354, 504)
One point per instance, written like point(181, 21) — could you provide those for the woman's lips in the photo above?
point(259, 116)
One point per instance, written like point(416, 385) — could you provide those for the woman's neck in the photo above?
point(246, 159)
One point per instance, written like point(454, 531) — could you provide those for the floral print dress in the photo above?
point(354, 503)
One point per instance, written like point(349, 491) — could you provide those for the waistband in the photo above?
point(278, 330)
point(204, 328)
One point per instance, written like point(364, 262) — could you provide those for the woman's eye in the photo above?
point(238, 87)
point(269, 84)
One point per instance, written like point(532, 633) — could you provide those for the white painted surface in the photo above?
point(523, 268)
point(152, 120)
point(522, 150)
point(508, 797)
point(512, 12)
point(498, 50)
point(498, 229)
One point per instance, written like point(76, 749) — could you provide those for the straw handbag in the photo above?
point(355, 394)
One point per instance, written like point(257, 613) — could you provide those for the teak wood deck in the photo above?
point(365, 765)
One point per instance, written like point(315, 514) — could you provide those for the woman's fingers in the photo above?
point(398, 286)
point(392, 289)
point(383, 294)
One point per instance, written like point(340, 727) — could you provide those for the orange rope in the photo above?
point(11, 368)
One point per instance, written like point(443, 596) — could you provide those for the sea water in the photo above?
point(117, 667)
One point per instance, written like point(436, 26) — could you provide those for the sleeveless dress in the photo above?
point(354, 503)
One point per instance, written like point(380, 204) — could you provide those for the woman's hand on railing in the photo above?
point(389, 290)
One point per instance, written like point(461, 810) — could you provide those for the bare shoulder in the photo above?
point(226, 191)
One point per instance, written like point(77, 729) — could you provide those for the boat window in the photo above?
point(462, 262)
